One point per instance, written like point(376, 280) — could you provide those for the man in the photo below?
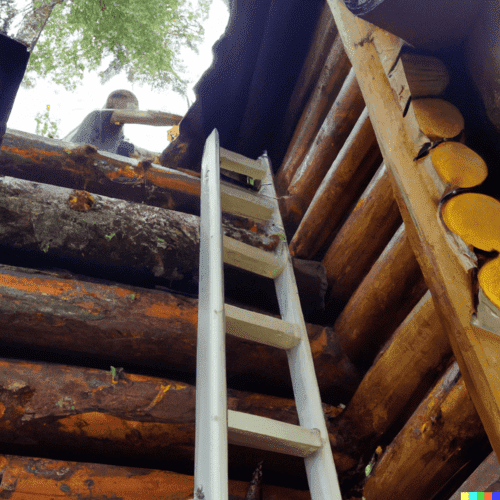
point(97, 129)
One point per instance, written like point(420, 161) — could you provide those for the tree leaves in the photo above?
point(144, 37)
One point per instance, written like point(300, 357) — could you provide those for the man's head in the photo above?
point(121, 99)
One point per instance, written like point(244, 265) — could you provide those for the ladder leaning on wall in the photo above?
point(215, 425)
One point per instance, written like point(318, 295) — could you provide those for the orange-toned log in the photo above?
point(139, 326)
point(385, 297)
point(313, 68)
point(362, 237)
point(25, 478)
point(457, 165)
point(347, 177)
point(330, 139)
point(417, 354)
point(330, 82)
point(433, 445)
point(40, 159)
point(115, 414)
point(438, 119)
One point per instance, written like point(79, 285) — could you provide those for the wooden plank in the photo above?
point(241, 164)
point(272, 435)
point(149, 117)
point(261, 328)
point(243, 202)
point(211, 462)
point(252, 259)
point(320, 467)
point(372, 53)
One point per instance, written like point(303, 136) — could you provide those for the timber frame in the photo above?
point(374, 55)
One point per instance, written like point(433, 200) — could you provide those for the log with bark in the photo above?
point(346, 179)
point(385, 297)
point(132, 326)
point(374, 219)
point(102, 235)
point(329, 85)
point(39, 159)
point(115, 415)
point(416, 355)
point(432, 446)
point(32, 477)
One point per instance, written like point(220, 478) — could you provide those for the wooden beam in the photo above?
point(417, 354)
point(51, 310)
point(49, 161)
point(385, 297)
point(149, 117)
point(329, 140)
point(345, 180)
point(325, 35)
point(113, 232)
point(117, 414)
point(28, 477)
point(330, 82)
point(400, 140)
point(434, 443)
point(375, 218)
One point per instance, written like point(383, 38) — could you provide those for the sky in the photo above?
point(68, 109)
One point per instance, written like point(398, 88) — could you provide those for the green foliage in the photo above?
point(45, 126)
point(143, 37)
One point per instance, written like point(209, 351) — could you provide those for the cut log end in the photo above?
point(475, 218)
point(489, 280)
point(458, 165)
point(426, 75)
point(438, 119)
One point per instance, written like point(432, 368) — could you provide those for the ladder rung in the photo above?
point(261, 328)
point(241, 164)
point(243, 202)
point(272, 435)
point(251, 259)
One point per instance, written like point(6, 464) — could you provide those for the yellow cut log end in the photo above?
point(489, 280)
point(458, 165)
point(438, 119)
point(475, 218)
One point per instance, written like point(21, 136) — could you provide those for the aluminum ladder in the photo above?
point(215, 425)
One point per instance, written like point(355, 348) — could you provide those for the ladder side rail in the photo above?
point(211, 462)
point(320, 467)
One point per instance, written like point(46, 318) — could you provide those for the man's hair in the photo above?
point(121, 99)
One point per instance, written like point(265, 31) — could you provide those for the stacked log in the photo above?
point(374, 219)
point(349, 174)
point(132, 326)
point(329, 83)
point(433, 444)
point(385, 297)
point(25, 477)
point(405, 370)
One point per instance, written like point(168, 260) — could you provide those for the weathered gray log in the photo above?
point(76, 224)
point(134, 326)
